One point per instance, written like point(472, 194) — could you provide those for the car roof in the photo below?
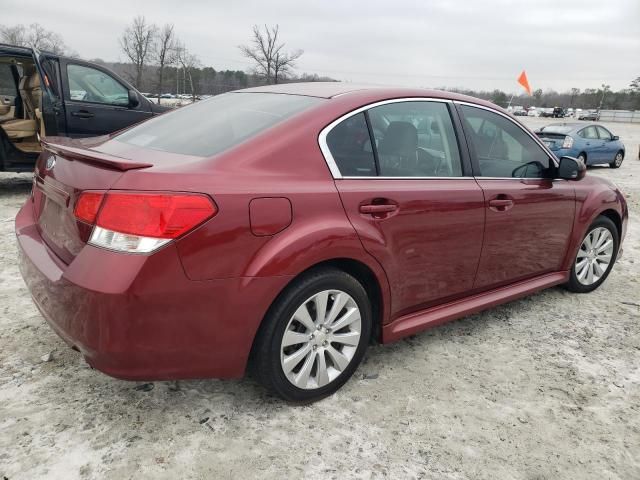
point(14, 49)
point(566, 128)
point(18, 50)
point(343, 89)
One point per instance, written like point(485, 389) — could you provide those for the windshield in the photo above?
point(211, 126)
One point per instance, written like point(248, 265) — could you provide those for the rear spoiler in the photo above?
point(86, 155)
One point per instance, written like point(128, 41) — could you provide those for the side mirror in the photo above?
point(571, 169)
point(133, 99)
point(615, 137)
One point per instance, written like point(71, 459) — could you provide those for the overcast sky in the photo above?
point(481, 44)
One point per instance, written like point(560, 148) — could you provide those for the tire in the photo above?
point(313, 348)
point(582, 156)
point(617, 161)
point(584, 281)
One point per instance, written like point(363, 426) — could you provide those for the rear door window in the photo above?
point(603, 133)
point(211, 126)
point(589, 133)
point(415, 139)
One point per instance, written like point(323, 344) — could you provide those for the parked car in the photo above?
point(520, 113)
point(283, 228)
point(592, 144)
point(533, 112)
point(546, 112)
point(47, 94)
point(559, 112)
point(592, 116)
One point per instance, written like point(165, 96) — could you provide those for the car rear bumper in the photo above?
point(139, 317)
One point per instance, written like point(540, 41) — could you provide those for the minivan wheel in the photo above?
point(596, 256)
point(314, 336)
point(617, 161)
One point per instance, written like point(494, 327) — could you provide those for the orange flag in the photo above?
point(522, 80)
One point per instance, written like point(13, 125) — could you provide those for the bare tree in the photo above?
point(35, 36)
point(188, 62)
point(272, 62)
point(165, 53)
point(283, 63)
point(14, 35)
point(137, 43)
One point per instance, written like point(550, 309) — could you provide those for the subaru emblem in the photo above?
point(51, 162)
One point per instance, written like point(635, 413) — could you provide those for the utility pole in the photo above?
point(604, 91)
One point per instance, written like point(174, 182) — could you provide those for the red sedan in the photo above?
point(284, 228)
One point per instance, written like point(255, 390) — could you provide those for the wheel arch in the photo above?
point(377, 289)
point(614, 216)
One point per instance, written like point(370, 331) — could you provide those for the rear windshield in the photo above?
point(556, 129)
point(210, 126)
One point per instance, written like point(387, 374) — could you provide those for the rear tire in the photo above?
point(302, 354)
point(617, 161)
point(595, 257)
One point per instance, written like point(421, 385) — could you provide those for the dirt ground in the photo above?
point(547, 387)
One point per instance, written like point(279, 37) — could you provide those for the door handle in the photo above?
point(500, 204)
point(380, 210)
point(82, 114)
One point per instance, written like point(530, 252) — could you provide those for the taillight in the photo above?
point(141, 222)
point(568, 142)
point(87, 206)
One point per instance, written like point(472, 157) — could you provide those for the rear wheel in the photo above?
point(617, 161)
point(314, 336)
point(595, 257)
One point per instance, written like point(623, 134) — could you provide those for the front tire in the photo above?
point(583, 157)
point(617, 161)
point(314, 336)
point(595, 257)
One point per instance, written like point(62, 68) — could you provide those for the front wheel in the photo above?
point(595, 257)
point(617, 161)
point(314, 336)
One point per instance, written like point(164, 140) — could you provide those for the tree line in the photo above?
point(160, 62)
point(589, 98)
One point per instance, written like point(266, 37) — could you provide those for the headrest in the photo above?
point(401, 138)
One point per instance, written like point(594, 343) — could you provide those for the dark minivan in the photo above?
point(42, 93)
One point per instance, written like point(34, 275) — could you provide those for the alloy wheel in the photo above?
point(618, 159)
point(594, 256)
point(321, 339)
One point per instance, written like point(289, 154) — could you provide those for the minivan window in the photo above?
point(7, 82)
point(502, 148)
point(88, 84)
point(211, 126)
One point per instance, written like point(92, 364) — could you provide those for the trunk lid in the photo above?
point(65, 168)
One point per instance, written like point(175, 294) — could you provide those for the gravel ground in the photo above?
point(547, 387)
